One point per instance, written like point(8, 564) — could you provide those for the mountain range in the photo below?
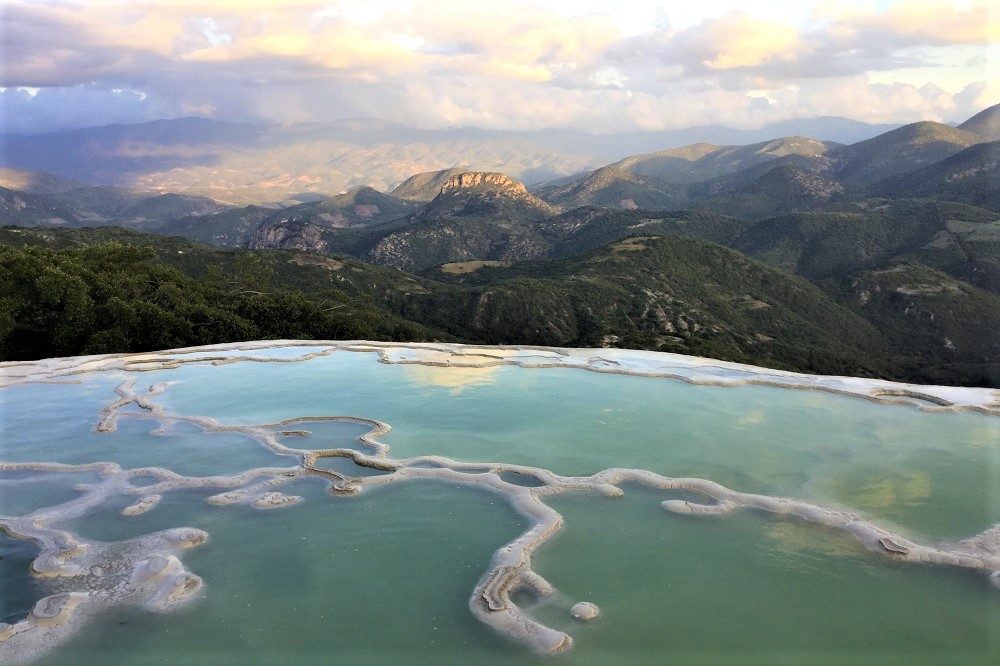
point(878, 256)
point(264, 164)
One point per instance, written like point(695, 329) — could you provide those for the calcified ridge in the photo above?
point(690, 369)
point(88, 577)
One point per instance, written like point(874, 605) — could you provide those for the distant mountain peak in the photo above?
point(793, 145)
point(928, 130)
point(901, 150)
point(986, 123)
point(490, 193)
point(364, 194)
point(689, 153)
point(424, 186)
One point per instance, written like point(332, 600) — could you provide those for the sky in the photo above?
point(590, 65)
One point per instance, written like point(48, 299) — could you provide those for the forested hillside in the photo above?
point(100, 290)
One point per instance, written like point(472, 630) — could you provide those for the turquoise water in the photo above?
point(59, 427)
point(20, 589)
point(748, 589)
point(934, 474)
point(48, 422)
point(23, 492)
point(385, 577)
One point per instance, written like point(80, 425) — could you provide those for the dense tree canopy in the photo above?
point(114, 297)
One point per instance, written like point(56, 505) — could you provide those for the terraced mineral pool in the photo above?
point(325, 548)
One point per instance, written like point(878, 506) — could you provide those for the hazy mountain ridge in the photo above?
point(489, 216)
point(36, 182)
point(696, 175)
point(36, 209)
point(704, 161)
point(254, 164)
point(85, 206)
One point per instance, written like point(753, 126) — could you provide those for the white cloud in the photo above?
point(592, 64)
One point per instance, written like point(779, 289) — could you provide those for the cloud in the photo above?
point(914, 23)
point(735, 41)
point(78, 106)
point(589, 65)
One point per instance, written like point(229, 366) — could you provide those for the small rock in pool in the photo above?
point(585, 611)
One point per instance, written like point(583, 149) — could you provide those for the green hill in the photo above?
point(672, 294)
point(699, 162)
point(971, 176)
point(781, 185)
point(986, 123)
point(230, 229)
point(615, 187)
point(588, 228)
point(962, 241)
point(151, 212)
point(901, 150)
point(313, 226)
point(953, 324)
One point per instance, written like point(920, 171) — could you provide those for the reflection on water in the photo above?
point(456, 379)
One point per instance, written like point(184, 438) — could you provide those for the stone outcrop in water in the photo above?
point(145, 504)
point(585, 611)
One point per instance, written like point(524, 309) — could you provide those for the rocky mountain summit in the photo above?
point(424, 186)
point(486, 179)
point(487, 193)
